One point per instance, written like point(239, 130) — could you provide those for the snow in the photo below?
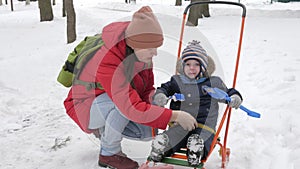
point(36, 133)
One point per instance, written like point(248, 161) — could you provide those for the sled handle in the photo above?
point(205, 2)
point(217, 2)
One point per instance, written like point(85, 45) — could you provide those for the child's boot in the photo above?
point(159, 147)
point(195, 146)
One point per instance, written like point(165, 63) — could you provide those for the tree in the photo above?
point(196, 12)
point(27, 2)
point(46, 13)
point(130, 1)
point(0, 2)
point(178, 3)
point(11, 5)
point(64, 8)
point(71, 21)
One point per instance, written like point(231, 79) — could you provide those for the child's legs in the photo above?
point(177, 138)
point(207, 145)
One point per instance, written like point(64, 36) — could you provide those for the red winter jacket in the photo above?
point(107, 68)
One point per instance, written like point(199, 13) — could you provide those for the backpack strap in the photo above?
point(88, 85)
point(81, 62)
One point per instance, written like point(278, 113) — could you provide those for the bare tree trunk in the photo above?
point(27, 2)
point(178, 3)
point(54, 2)
point(46, 13)
point(71, 21)
point(205, 11)
point(11, 5)
point(196, 12)
point(64, 8)
point(1, 2)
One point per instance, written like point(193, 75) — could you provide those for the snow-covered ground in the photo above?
point(37, 134)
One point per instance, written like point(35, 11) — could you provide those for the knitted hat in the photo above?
point(195, 51)
point(144, 30)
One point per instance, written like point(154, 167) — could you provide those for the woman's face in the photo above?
point(191, 68)
point(145, 55)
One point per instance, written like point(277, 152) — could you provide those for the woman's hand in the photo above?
point(187, 121)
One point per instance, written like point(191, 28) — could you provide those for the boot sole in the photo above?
point(109, 166)
point(105, 165)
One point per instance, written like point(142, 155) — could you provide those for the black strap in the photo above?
point(69, 66)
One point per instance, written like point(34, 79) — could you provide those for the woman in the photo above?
point(121, 105)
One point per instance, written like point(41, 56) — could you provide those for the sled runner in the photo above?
point(180, 158)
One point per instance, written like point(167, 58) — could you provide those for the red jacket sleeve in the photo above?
point(110, 74)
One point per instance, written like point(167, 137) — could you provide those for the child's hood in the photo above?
point(211, 67)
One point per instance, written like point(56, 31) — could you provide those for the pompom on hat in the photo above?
point(144, 31)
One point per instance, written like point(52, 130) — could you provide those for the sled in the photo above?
point(179, 158)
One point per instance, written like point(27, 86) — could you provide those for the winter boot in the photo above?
point(117, 162)
point(195, 146)
point(159, 146)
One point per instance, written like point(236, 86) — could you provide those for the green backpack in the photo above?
point(76, 61)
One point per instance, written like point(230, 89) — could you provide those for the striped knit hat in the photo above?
point(195, 51)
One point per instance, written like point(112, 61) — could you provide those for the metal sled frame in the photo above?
point(179, 158)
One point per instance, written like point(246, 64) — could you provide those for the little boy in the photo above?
point(195, 69)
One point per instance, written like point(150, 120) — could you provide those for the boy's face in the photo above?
point(145, 55)
point(191, 68)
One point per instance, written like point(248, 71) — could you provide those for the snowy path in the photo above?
point(37, 134)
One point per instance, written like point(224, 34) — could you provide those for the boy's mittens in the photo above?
point(235, 101)
point(160, 99)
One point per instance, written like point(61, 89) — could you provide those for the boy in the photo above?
point(195, 71)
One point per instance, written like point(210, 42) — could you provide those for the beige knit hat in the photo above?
point(144, 30)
